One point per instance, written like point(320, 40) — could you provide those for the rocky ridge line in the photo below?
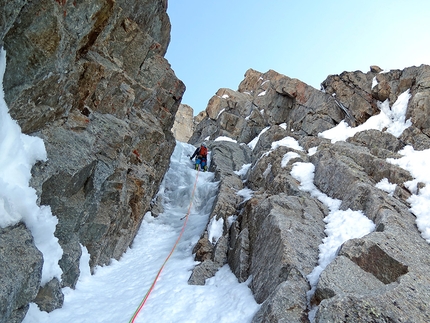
point(275, 236)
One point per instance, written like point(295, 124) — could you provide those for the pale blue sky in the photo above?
point(213, 43)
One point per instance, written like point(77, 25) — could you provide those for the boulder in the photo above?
point(416, 138)
point(199, 117)
point(388, 288)
point(375, 69)
point(287, 303)
point(50, 296)
point(342, 277)
point(226, 99)
point(352, 91)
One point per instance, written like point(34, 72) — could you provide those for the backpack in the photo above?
point(203, 151)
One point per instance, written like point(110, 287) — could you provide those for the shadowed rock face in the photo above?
point(381, 277)
point(90, 79)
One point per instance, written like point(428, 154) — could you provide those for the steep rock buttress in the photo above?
point(90, 79)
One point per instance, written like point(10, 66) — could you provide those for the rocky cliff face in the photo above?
point(183, 126)
point(275, 235)
point(90, 78)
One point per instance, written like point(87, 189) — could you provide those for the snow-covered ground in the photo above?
point(115, 291)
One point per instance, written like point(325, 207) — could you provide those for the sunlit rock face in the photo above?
point(91, 80)
point(183, 126)
point(275, 225)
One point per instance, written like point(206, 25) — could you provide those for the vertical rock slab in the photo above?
point(90, 78)
point(183, 127)
point(285, 232)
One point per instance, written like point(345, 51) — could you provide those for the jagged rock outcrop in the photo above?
point(90, 79)
point(183, 126)
point(275, 235)
point(305, 110)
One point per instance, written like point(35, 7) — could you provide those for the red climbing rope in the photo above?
point(142, 303)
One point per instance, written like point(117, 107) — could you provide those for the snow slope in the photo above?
point(114, 292)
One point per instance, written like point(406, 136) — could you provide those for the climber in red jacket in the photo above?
point(201, 154)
